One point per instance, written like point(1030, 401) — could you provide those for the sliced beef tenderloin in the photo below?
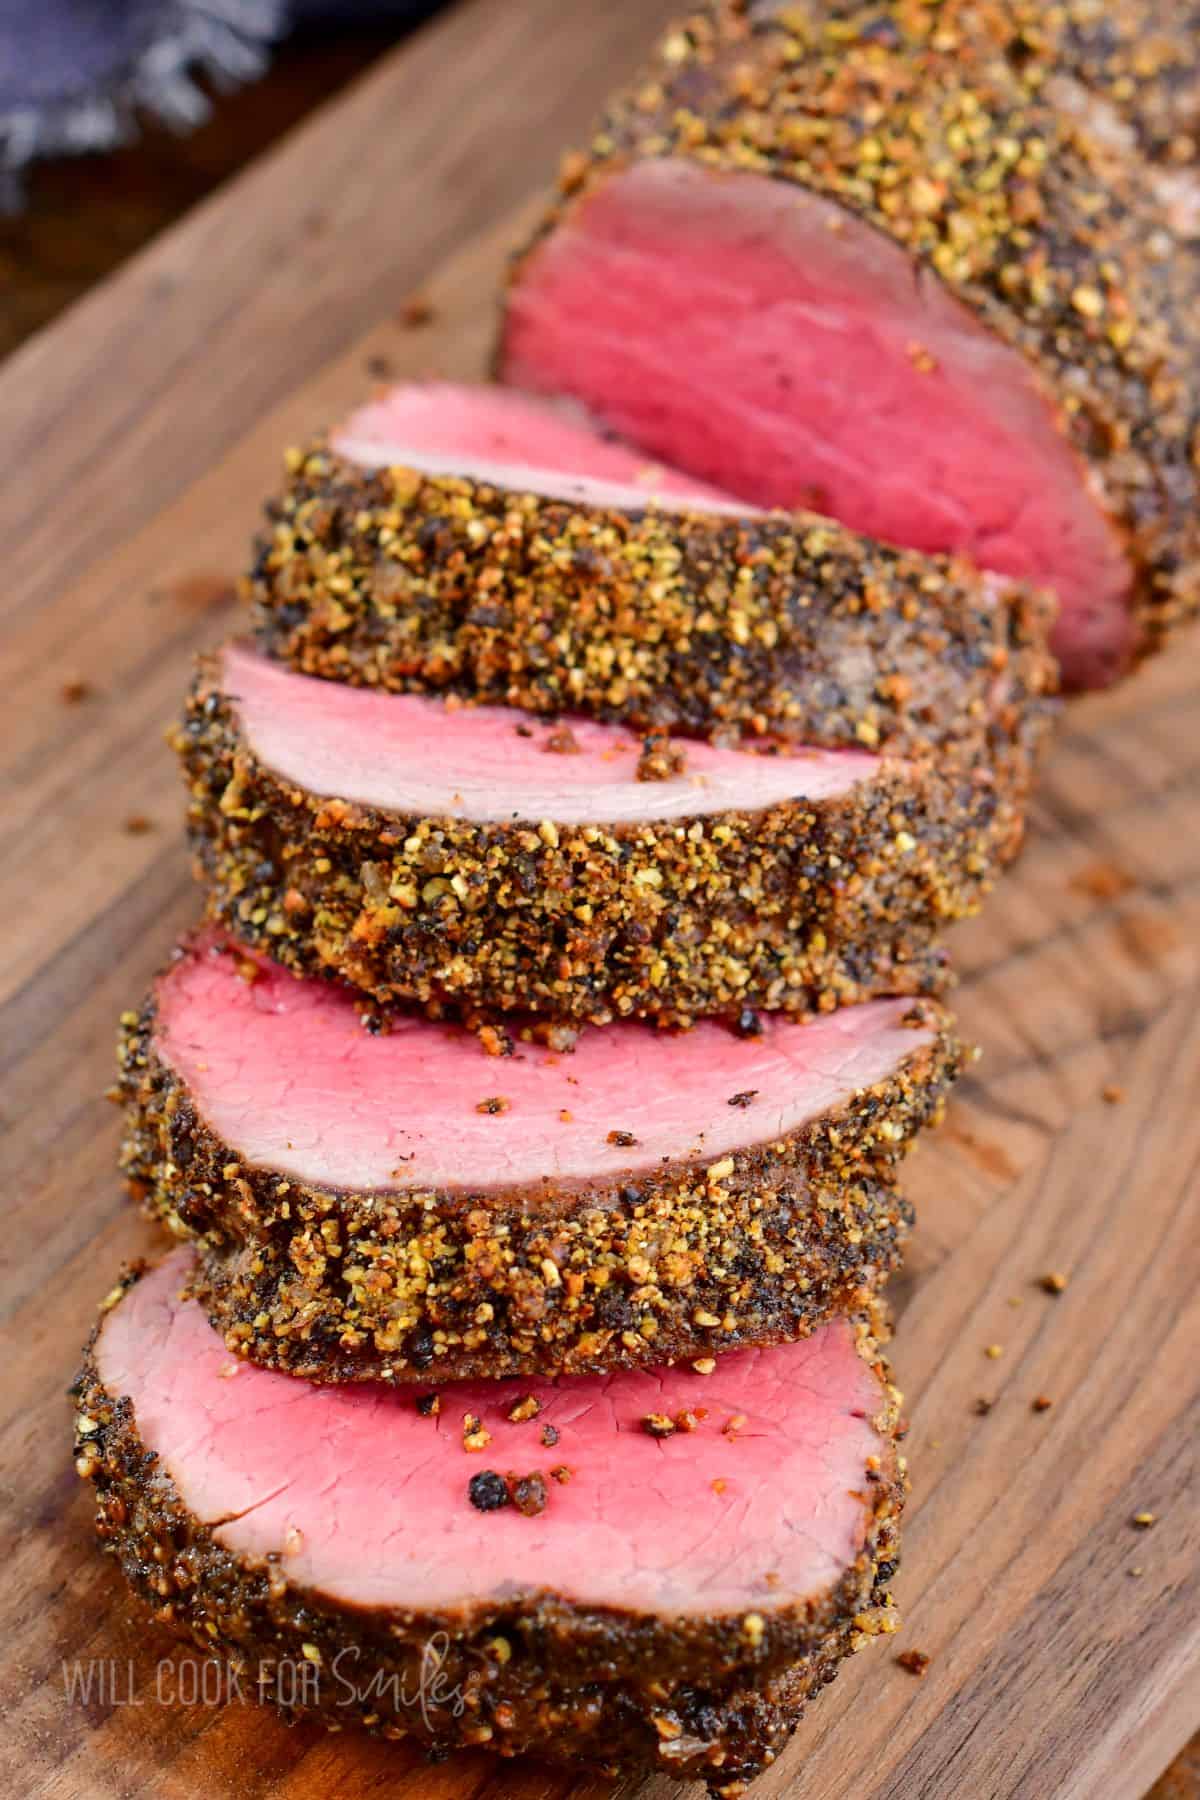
point(856, 256)
point(649, 1570)
point(429, 1201)
point(481, 858)
point(475, 541)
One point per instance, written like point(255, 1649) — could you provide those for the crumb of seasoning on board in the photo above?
point(719, 1485)
point(1102, 881)
point(137, 825)
point(1053, 1283)
point(624, 1140)
point(993, 1351)
point(748, 1023)
point(562, 1474)
point(495, 1103)
point(495, 1041)
point(1042, 1403)
point(983, 1407)
point(1111, 1094)
point(415, 312)
point(475, 1436)
point(74, 693)
point(380, 368)
point(1142, 1521)
point(658, 1425)
point(915, 1661)
point(687, 1420)
point(549, 1436)
point(529, 1493)
point(733, 1426)
point(487, 1491)
point(744, 1099)
point(429, 1405)
point(704, 1365)
point(527, 1407)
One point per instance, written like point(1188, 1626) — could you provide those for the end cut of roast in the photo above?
point(476, 541)
point(963, 327)
point(429, 1201)
point(481, 858)
point(641, 1570)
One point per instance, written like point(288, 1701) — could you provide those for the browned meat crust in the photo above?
point(695, 622)
point(665, 1264)
point(703, 1698)
point(797, 907)
point(936, 125)
point(1140, 57)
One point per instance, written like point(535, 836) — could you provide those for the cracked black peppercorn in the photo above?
point(487, 1491)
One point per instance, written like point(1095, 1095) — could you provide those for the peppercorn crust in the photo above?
point(938, 126)
point(1139, 57)
point(796, 907)
point(787, 624)
point(658, 1265)
point(701, 1697)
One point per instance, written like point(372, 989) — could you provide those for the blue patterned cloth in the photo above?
point(75, 74)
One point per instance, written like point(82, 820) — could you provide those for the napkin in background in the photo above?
point(75, 74)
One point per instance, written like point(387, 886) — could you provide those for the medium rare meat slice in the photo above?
point(636, 1570)
point(854, 256)
point(517, 444)
point(482, 858)
point(417, 551)
point(380, 1206)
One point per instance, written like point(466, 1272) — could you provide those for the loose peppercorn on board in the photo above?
point(140, 435)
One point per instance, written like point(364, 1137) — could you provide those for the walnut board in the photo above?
point(139, 436)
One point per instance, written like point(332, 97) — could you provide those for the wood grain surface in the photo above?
point(140, 436)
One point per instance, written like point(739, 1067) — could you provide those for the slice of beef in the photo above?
point(498, 438)
point(670, 1603)
point(855, 256)
point(481, 858)
point(398, 1205)
point(472, 540)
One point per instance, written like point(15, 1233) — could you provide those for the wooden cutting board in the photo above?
point(137, 439)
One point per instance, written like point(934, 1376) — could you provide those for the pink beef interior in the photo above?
point(283, 1070)
point(367, 1500)
point(764, 339)
point(492, 764)
point(513, 441)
